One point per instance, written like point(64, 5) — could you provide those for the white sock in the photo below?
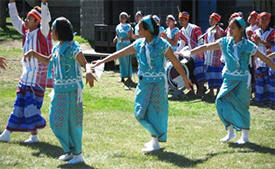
point(245, 134)
point(244, 138)
point(230, 134)
point(155, 140)
point(230, 129)
point(79, 155)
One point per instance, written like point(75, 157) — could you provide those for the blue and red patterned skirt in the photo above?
point(26, 114)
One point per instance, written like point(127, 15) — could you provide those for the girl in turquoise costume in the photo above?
point(232, 102)
point(171, 33)
point(151, 100)
point(138, 17)
point(161, 28)
point(66, 111)
point(124, 33)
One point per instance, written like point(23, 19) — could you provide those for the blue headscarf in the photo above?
point(241, 21)
point(147, 19)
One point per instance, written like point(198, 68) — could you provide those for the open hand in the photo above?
point(28, 55)
point(188, 83)
point(256, 38)
point(163, 34)
point(90, 79)
point(96, 63)
point(178, 54)
point(3, 64)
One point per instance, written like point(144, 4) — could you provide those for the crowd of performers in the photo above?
point(208, 66)
point(222, 58)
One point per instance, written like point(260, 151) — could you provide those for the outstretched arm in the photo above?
point(45, 18)
point(83, 62)
point(201, 49)
point(16, 21)
point(169, 54)
point(129, 50)
point(41, 58)
point(266, 59)
point(271, 55)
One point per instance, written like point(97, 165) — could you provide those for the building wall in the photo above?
point(91, 12)
point(160, 8)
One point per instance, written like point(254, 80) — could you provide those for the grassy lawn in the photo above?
point(112, 138)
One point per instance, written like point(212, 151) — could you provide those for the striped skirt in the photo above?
point(262, 84)
point(271, 87)
point(199, 70)
point(26, 114)
point(213, 75)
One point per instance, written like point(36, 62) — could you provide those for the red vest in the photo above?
point(43, 46)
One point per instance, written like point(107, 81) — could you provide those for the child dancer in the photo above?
point(123, 36)
point(26, 115)
point(232, 102)
point(161, 28)
point(66, 111)
point(138, 17)
point(264, 37)
point(151, 100)
point(190, 36)
point(212, 59)
point(171, 33)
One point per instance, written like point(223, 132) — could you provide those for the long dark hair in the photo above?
point(64, 29)
point(155, 26)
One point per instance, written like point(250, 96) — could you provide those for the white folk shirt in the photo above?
point(30, 68)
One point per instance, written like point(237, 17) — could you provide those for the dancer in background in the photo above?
point(138, 17)
point(171, 33)
point(190, 35)
point(124, 33)
point(212, 59)
point(252, 20)
point(161, 28)
point(264, 37)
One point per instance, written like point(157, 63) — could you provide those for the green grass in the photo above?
point(80, 39)
point(112, 138)
point(9, 33)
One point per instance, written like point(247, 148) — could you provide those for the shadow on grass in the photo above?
point(52, 151)
point(179, 160)
point(80, 165)
point(182, 161)
point(47, 149)
point(254, 148)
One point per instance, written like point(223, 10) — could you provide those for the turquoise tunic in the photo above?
point(171, 34)
point(233, 99)
point(125, 63)
point(161, 29)
point(66, 111)
point(151, 99)
point(136, 29)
